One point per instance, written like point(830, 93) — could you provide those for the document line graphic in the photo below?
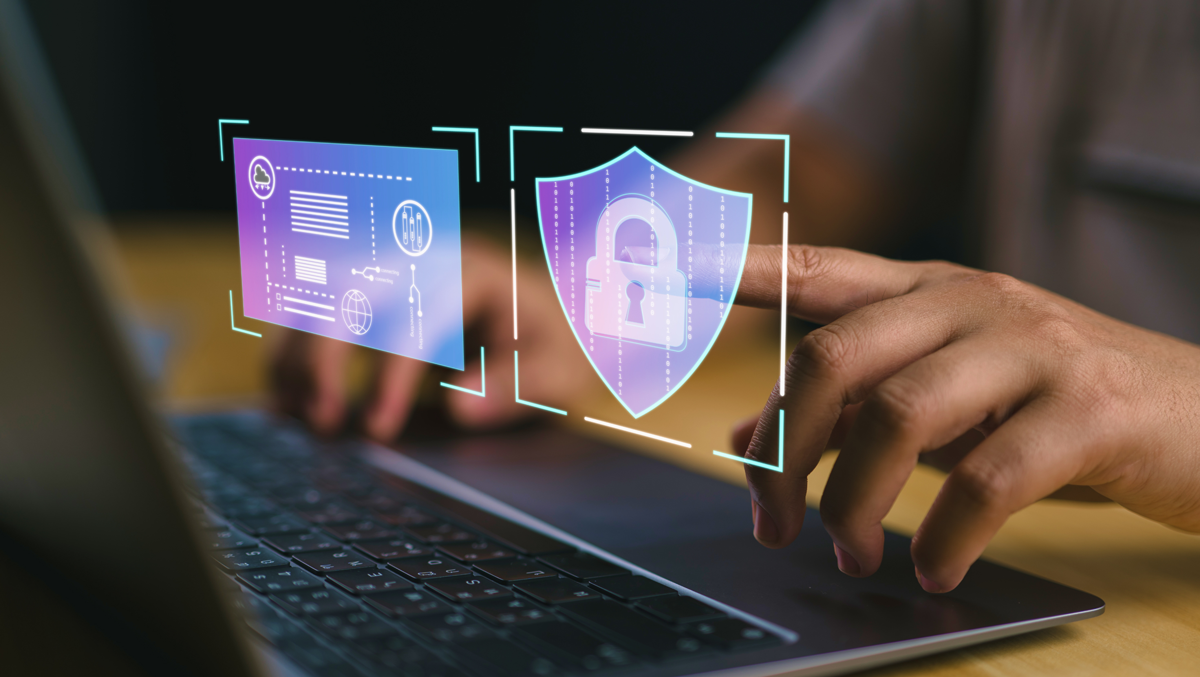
point(308, 313)
point(309, 269)
point(324, 214)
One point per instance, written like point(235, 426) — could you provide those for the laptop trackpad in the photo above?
point(697, 531)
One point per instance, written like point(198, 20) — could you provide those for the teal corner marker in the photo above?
point(517, 389)
point(467, 130)
point(231, 322)
point(482, 392)
point(778, 467)
point(221, 133)
point(787, 151)
point(512, 163)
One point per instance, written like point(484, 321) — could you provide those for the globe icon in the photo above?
point(356, 311)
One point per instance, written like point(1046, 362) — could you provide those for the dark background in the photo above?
point(145, 82)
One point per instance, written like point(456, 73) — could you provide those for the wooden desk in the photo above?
point(179, 275)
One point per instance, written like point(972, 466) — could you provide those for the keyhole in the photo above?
point(635, 292)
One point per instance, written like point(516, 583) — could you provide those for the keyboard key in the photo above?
point(404, 517)
point(631, 587)
point(368, 581)
point(224, 539)
point(396, 548)
point(249, 558)
point(399, 603)
point(293, 543)
point(556, 590)
point(583, 566)
point(506, 659)
point(516, 570)
point(363, 530)
point(477, 551)
point(421, 568)
point(680, 609)
point(330, 513)
point(512, 611)
point(574, 647)
point(351, 625)
point(279, 580)
point(439, 533)
point(733, 634)
point(468, 588)
point(271, 525)
point(636, 632)
point(313, 602)
point(451, 627)
point(329, 561)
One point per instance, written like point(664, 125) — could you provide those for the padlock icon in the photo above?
point(633, 301)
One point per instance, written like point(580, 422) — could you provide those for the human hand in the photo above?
point(912, 357)
point(308, 372)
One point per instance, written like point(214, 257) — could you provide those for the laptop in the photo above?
point(237, 544)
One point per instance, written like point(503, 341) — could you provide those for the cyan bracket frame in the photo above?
point(466, 130)
point(787, 151)
point(482, 392)
point(221, 132)
point(517, 389)
point(232, 324)
point(512, 163)
point(778, 467)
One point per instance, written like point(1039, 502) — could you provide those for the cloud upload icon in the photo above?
point(260, 175)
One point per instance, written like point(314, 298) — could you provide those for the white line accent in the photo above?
point(638, 132)
point(308, 303)
point(313, 232)
point(783, 309)
point(307, 259)
point(313, 225)
point(313, 199)
point(301, 217)
point(652, 436)
point(513, 193)
point(319, 209)
point(305, 312)
point(302, 192)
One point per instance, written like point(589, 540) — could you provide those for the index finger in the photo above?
point(823, 283)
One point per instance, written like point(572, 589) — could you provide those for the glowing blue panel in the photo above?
point(357, 243)
point(646, 263)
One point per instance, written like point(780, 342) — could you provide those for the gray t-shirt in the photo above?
point(1077, 123)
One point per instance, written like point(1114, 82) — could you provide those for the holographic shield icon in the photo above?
point(645, 262)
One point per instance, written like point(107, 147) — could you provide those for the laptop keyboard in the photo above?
point(347, 572)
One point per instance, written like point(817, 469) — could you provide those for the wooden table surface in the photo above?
point(179, 272)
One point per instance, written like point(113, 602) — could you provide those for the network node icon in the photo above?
point(356, 312)
point(412, 228)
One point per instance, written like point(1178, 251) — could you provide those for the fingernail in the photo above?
point(764, 527)
point(846, 562)
point(928, 585)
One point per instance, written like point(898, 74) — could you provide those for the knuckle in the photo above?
point(900, 405)
point(1001, 284)
point(824, 352)
point(804, 261)
point(980, 483)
